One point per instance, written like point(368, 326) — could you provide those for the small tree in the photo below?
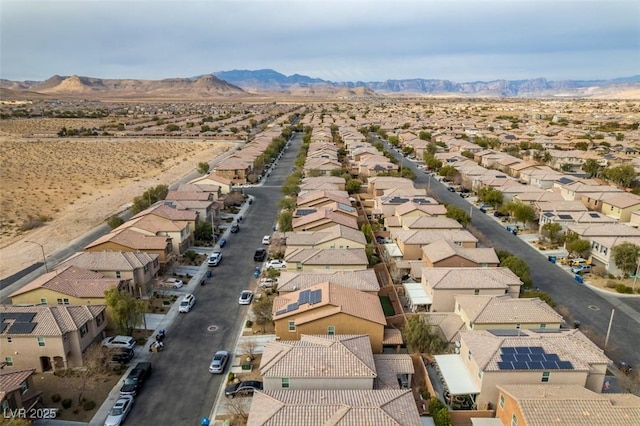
point(285, 221)
point(126, 310)
point(115, 221)
point(248, 347)
point(552, 231)
point(456, 213)
point(353, 186)
point(262, 311)
point(204, 231)
point(578, 247)
point(524, 213)
point(591, 166)
point(203, 167)
point(490, 196)
point(520, 268)
point(287, 203)
point(420, 338)
point(625, 256)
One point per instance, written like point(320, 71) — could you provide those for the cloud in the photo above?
point(339, 40)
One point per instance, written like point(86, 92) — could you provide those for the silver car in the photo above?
point(119, 411)
point(219, 362)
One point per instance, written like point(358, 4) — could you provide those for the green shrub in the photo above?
point(56, 397)
point(435, 405)
point(66, 403)
point(248, 324)
point(230, 377)
point(621, 288)
point(88, 405)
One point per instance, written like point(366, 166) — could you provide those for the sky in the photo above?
point(337, 40)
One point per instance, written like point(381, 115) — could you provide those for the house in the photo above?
point(488, 359)
point(505, 312)
point(564, 404)
point(131, 241)
point(137, 268)
point(178, 232)
point(430, 222)
point(49, 337)
point(442, 285)
point(378, 184)
point(17, 391)
point(322, 219)
point(566, 218)
point(602, 251)
point(363, 280)
point(332, 362)
point(588, 231)
point(323, 183)
point(320, 198)
point(337, 236)
point(235, 169)
point(621, 206)
point(411, 241)
point(306, 260)
point(446, 254)
point(327, 308)
point(169, 212)
point(334, 407)
point(225, 184)
point(68, 285)
point(408, 213)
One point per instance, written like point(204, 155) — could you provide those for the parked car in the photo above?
point(222, 242)
point(579, 261)
point(119, 411)
point(219, 362)
point(245, 297)
point(187, 303)
point(215, 258)
point(267, 283)
point(120, 356)
point(266, 240)
point(260, 255)
point(135, 379)
point(451, 189)
point(247, 387)
point(173, 282)
point(276, 264)
point(119, 342)
point(498, 213)
point(235, 228)
point(581, 269)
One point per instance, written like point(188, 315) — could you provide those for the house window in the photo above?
point(118, 274)
point(514, 420)
point(480, 375)
point(292, 326)
point(545, 376)
point(41, 341)
point(285, 383)
point(299, 266)
point(518, 326)
point(604, 251)
point(331, 330)
point(469, 356)
point(64, 301)
point(84, 329)
point(476, 291)
point(9, 361)
point(501, 401)
point(9, 340)
point(43, 300)
point(100, 318)
point(543, 326)
point(327, 266)
point(24, 386)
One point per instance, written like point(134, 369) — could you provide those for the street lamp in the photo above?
point(44, 258)
point(606, 339)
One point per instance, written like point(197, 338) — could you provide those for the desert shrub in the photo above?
point(31, 223)
point(611, 284)
point(66, 403)
point(88, 405)
point(56, 397)
point(621, 288)
point(598, 271)
point(248, 324)
point(230, 377)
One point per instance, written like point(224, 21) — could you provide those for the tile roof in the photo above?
point(465, 278)
point(167, 212)
point(312, 197)
point(131, 239)
point(428, 209)
point(325, 216)
point(342, 299)
point(364, 280)
point(444, 249)
point(507, 310)
point(72, 281)
point(450, 324)
point(589, 231)
point(302, 238)
point(54, 320)
point(315, 356)
point(388, 366)
point(11, 380)
point(351, 256)
point(109, 260)
point(334, 408)
point(428, 222)
point(570, 345)
point(392, 336)
point(427, 236)
point(543, 405)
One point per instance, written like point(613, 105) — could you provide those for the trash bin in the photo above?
point(552, 259)
point(579, 279)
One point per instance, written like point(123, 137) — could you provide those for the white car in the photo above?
point(119, 411)
point(245, 297)
point(276, 264)
point(173, 282)
point(187, 303)
point(215, 258)
point(266, 240)
point(119, 342)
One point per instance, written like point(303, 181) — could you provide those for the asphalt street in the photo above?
point(181, 390)
point(591, 307)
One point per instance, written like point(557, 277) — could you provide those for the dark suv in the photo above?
point(260, 255)
point(135, 379)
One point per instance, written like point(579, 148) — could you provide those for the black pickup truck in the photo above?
point(136, 379)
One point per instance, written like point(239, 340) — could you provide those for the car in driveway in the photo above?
point(215, 258)
point(173, 282)
point(276, 264)
point(119, 411)
point(581, 269)
point(187, 303)
point(259, 255)
point(246, 387)
point(245, 297)
point(135, 379)
point(579, 261)
point(120, 356)
point(219, 362)
point(119, 342)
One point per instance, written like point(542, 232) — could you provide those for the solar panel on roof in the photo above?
point(508, 357)
point(565, 180)
point(537, 357)
point(564, 216)
point(4, 326)
point(536, 349)
point(594, 215)
point(552, 357)
point(522, 350)
point(508, 350)
point(304, 212)
point(548, 214)
point(535, 365)
point(565, 365)
point(346, 207)
point(292, 306)
point(520, 365)
point(281, 311)
point(304, 297)
point(505, 366)
point(315, 296)
point(22, 328)
point(549, 365)
point(523, 357)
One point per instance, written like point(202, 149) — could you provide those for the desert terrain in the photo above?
point(73, 185)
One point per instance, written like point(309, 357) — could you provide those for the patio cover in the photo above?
point(416, 294)
point(456, 375)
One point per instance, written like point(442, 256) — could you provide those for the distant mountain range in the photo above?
point(270, 80)
point(248, 83)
